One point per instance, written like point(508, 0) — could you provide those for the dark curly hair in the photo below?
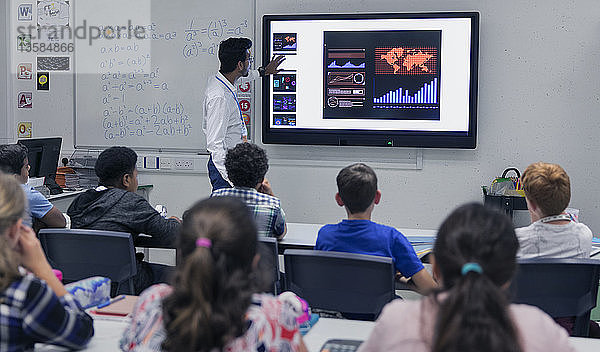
point(113, 163)
point(12, 158)
point(232, 51)
point(213, 284)
point(246, 165)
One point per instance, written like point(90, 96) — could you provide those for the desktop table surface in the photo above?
point(327, 328)
point(66, 194)
point(108, 333)
point(300, 234)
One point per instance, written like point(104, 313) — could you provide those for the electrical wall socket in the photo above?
point(165, 163)
point(150, 162)
point(184, 164)
point(140, 162)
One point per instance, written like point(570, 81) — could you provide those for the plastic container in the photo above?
point(91, 291)
point(58, 274)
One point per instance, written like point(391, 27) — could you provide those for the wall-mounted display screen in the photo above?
point(407, 79)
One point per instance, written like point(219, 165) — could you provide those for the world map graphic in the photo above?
point(402, 59)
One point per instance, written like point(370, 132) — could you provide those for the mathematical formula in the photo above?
point(214, 31)
point(158, 119)
point(155, 120)
point(128, 79)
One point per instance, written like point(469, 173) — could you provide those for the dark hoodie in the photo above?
point(116, 209)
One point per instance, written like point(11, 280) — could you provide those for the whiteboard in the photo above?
point(145, 90)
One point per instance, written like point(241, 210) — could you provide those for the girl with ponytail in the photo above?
point(214, 304)
point(474, 259)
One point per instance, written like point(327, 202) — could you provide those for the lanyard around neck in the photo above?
point(561, 217)
point(237, 103)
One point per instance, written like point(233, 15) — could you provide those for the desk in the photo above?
point(585, 345)
point(63, 200)
point(107, 334)
point(304, 236)
point(326, 329)
point(154, 252)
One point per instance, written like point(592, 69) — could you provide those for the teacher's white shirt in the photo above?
point(222, 122)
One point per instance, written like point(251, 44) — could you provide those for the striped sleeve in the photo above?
point(50, 319)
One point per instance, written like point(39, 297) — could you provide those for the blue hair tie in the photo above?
point(468, 267)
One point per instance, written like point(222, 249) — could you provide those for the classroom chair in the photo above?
point(560, 287)
point(269, 261)
point(356, 285)
point(84, 253)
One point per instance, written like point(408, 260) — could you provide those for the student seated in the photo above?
point(114, 205)
point(475, 260)
point(35, 307)
point(40, 212)
point(246, 166)
point(358, 194)
point(552, 233)
point(214, 304)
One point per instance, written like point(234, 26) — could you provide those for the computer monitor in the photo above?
point(43, 154)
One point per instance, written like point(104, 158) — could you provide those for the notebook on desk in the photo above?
point(423, 249)
point(122, 307)
point(418, 240)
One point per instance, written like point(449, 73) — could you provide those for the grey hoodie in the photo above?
point(116, 209)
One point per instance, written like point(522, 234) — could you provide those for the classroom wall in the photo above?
point(539, 96)
point(5, 124)
point(51, 114)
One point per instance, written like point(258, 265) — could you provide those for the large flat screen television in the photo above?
point(401, 80)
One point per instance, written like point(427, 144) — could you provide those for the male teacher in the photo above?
point(223, 123)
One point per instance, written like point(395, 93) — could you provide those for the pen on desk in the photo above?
point(110, 301)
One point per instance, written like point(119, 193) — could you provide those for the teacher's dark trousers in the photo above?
point(216, 180)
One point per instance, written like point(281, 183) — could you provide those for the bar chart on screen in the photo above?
point(426, 95)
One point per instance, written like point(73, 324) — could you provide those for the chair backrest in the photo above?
point(269, 259)
point(356, 285)
point(83, 253)
point(560, 287)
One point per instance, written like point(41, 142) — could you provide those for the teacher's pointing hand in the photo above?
point(273, 66)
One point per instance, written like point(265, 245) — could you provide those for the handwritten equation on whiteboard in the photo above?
point(123, 117)
point(205, 39)
point(134, 99)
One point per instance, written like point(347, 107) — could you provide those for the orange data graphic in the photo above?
point(406, 60)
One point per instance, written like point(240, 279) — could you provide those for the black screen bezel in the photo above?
point(391, 138)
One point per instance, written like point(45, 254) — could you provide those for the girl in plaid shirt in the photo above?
point(34, 307)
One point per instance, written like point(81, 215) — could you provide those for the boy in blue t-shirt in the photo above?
point(358, 194)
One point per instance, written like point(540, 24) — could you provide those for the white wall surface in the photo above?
point(5, 123)
point(539, 99)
